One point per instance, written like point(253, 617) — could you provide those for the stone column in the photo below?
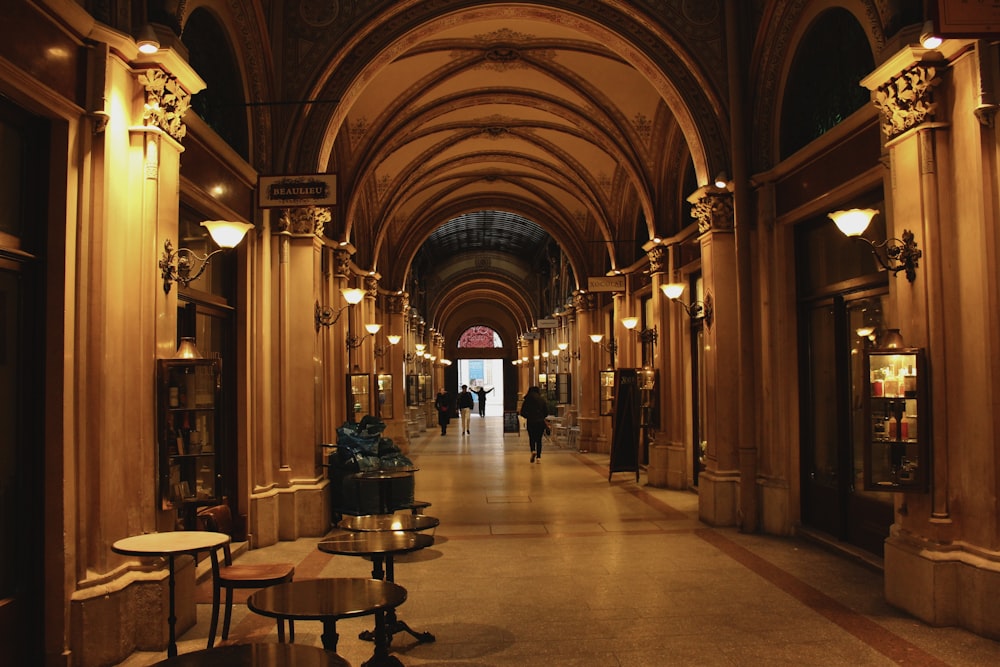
point(390, 361)
point(662, 453)
point(719, 483)
point(937, 109)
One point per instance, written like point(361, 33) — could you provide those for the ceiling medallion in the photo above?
point(495, 131)
point(502, 54)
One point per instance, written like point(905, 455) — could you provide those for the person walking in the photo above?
point(465, 407)
point(443, 405)
point(534, 409)
point(481, 393)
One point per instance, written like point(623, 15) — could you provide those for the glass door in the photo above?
point(833, 490)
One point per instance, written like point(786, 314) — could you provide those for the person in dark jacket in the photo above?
point(443, 405)
point(481, 395)
point(465, 408)
point(534, 409)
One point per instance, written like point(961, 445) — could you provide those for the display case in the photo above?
point(606, 393)
point(563, 390)
point(649, 415)
point(358, 395)
point(412, 389)
point(897, 453)
point(189, 399)
point(383, 383)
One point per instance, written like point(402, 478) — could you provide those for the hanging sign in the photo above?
point(606, 283)
point(550, 323)
point(961, 17)
point(302, 190)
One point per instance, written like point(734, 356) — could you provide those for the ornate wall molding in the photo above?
point(908, 99)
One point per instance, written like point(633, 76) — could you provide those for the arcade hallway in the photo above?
point(549, 564)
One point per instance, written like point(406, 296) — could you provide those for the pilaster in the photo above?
point(719, 483)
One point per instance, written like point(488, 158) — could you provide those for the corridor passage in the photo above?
point(550, 564)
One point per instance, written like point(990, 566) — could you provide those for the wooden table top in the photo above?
point(321, 599)
point(169, 543)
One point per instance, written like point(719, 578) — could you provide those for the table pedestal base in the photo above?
point(394, 626)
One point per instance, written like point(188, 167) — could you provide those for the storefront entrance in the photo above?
point(835, 318)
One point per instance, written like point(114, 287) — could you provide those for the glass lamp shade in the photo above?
point(672, 290)
point(892, 339)
point(394, 339)
point(187, 350)
point(373, 328)
point(853, 221)
point(597, 338)
point(928, 38)
point(352, 295)
point(563, 346)
point(630, 322)
point(225, 233)
point(147, 41)
point(420, 347)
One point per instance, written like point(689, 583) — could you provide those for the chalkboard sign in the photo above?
point(511, 424)
point(625, 432)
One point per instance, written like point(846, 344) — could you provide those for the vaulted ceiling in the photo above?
point(467, 140)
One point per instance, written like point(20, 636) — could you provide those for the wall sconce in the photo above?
point(611, 346)
point(354, 342)
point(176, 266)
point(701, 309)
point(565, 355)
point(722, 180)
point(648, 336)
point(393, 339)
point(326, 316)
point(146, 40)
point(900, 254)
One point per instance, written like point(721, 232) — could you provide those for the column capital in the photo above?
point(658, 258)
point(713, 211)
point(907, 99)
point(342, 262)
point(398, 303)
point(304, 220)
point(166, 102)
point(584, 301)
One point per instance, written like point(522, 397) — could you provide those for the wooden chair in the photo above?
point(219, 518)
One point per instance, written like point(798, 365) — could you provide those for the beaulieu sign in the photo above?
point(304, 190)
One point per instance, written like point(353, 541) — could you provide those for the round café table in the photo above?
point(327, 600)
point(383, 523)
point(257, 655)
point(169, 545)
point(383, 478)
point(381, 547)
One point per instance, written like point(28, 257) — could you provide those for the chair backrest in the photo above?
point(218, 518)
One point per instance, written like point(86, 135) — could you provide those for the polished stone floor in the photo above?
point(551, 564)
